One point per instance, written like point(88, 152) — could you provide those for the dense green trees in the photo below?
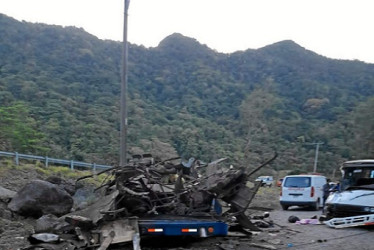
point(363, 129)
point(18, 130)
point(59, 96)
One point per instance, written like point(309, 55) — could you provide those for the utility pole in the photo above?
point(316, 154)
point(123, 132)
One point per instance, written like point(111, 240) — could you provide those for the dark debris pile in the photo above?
point(149, 189)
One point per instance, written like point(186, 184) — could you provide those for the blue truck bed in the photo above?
point(179, 226)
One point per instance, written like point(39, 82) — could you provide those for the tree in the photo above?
point(363, 129)
point(259, 123)
point(18, 130)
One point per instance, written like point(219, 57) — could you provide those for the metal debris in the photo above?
point(146, 189)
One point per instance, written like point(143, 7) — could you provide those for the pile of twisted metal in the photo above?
point(147, 191)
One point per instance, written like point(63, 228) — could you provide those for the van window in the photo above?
point(297, 182)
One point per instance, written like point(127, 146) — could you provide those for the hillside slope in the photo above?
point(185, 99)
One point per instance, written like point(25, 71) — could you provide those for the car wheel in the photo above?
point(284, 207)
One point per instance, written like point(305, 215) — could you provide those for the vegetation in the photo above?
point(59, 96)
point(9, 169)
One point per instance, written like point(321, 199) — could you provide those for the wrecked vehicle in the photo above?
point(153, 198)
point(356, 194)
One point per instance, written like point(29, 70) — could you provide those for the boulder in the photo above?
point(41, 197)
point(68, 186)
point(6, 194)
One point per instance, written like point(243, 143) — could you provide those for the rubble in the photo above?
point(40, 197)
point(144, 190)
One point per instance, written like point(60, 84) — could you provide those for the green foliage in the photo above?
point(18, 130)
point(59, 96)
point(363, 129)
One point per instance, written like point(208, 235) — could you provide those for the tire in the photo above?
point(284, 207)
point(315, 206)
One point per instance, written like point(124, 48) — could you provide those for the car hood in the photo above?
point(352, 197)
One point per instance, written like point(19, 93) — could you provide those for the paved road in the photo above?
point(294, 236)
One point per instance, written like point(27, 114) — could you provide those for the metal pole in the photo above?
point(17, 158)
point(123, 132)
point(316, 159)
point(316, 156)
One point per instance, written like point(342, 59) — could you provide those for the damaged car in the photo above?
point(356, 194)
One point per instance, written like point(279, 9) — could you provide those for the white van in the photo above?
point(302, 190)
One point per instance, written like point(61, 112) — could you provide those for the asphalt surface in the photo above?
point(313, 236)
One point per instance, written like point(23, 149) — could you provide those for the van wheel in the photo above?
point(284, 207)
point(315, 206)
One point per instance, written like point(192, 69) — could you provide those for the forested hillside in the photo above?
point(59, 96)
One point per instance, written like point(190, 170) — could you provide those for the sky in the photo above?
point(339, 29)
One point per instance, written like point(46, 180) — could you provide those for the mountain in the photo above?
point(59, 96)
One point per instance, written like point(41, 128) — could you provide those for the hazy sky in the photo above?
point(341, 29)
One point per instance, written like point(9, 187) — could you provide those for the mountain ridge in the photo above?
point(183, 95)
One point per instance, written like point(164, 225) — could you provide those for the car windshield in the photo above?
point(297, 182)
point(357, 176)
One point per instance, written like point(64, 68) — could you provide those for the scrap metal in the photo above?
point(146, 189)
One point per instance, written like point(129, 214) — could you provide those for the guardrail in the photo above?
point(17, 156)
